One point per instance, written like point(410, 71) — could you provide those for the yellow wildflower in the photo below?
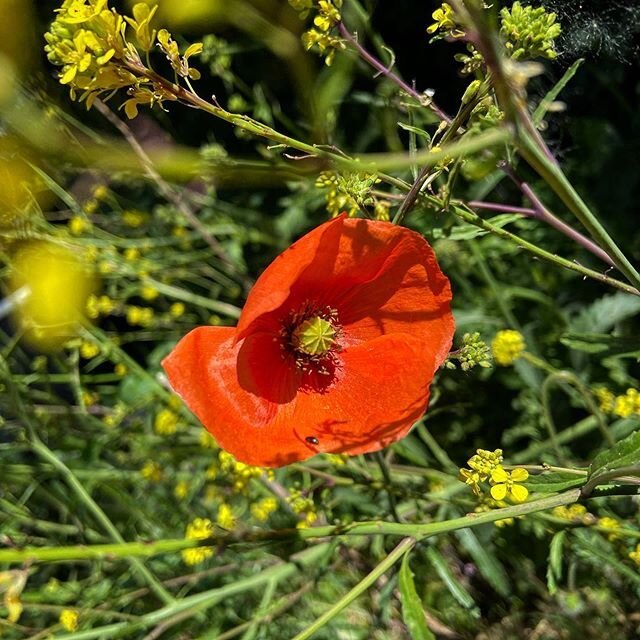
point(149, 292)
point(121, 369)
point(337, 459)
point(225, 518)
point(100, 192)
point(177, 309)
point(264, 508)
point(575, 513)
point(12, 583)
point(181, 490)
point(166, 422)
point(635, 555)
point(445, 22)
point(628, 404)
point(507, 346)
point(89, 350)
point(131, 254)
point(611, 524)
point(69, 619)
point(198, 529)
point(134, 219)
point(606, 399)
point(142, 316)
point(151, 471)
point(504, 484)
point(78, 225)
point(207, 441)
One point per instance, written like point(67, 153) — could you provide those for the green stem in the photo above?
point(556, 179)
point(359, 589)
point(603, 478)
point(367, 528)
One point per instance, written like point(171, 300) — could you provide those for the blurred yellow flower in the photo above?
point(151, 471)
point(69, 619)
point(166, 422)
point(54, 285)
point(198, 529)
point(225, 518)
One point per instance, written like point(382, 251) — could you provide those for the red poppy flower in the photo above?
point(334, 350)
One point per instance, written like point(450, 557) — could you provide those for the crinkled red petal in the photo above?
point(258, 408)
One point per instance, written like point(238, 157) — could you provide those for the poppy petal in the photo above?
point(222, 383)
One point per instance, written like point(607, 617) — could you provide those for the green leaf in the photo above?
point(412, 612)
point(603, 344)
point(457, 590)
point(419, 132)
point(554, 481)
point(622, 454)
point(554, 568)
point(543, 107)
point(606, 312)
point(488, 565)
point(470, 231)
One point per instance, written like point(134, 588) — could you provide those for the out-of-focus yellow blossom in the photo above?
point(225, 518)
point(102, 305)
point(325, 21)
point(177, 309)
point(101, 192)
point(206, 440)
point(337, 459)
point(134, 219)
point(88, 398)
point(198, 529)
point(181, 490)
point(635, 555)
point(89, 350)
point(381, 210)
point(179, 63)
point(12, 583)
point(212, 494)
point(507, 346)
point(78, 225)
point(91, 252)
point(151, 471)
point(239, 473)
point(90, 206)
point(504, 484)
point(212, 471)
point(606, 399)
point(575, 513)
point(106, 267)
point(488, 504)
point(121, 369)
point(303, 507)
point(53, 284)
point(131, 254)
point(262, 509)
point(142, 316)
point(149, 292)
point(628, 404)
point(166, 422)
point(69, 619)
point(612, 525)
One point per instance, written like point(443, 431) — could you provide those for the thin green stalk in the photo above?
point(92, 506)
point(436, 450)
point(604, 478)
point(367, 528)
point(406, 545)
point(555, 178)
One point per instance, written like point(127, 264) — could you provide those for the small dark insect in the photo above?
point(312, 440)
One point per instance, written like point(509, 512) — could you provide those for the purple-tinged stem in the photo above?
point(385, 71)
point(506, 208)
point(542, 213)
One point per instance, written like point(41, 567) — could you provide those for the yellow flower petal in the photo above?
point(519, 493)
point(499, 491)
point(499, 474)
point(519, 475)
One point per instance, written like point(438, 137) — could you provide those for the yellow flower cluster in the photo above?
point(262, 509)
point(325, 22)
point(349, 192)
point(635, 555)
point(151, 471)
point(611, 524)
point(78, 225)
point(99, 305)
point(239, 473)
point(445, 22)
point(507, 346)
point(142, 316)
point(181, 490)
point(88, 40)
point(89, 350)
point(303, 507)
point(69, 619)
point(624, 405)
point(165, 422)
point(574, 513)
point(486, 466)
point(225, 518)
point(198, 529)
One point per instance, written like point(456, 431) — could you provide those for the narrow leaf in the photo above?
point(622, 454)
point(554, 481)
point(457, 590)
point(412, 612)
point(543, 107)
point(554, 568)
